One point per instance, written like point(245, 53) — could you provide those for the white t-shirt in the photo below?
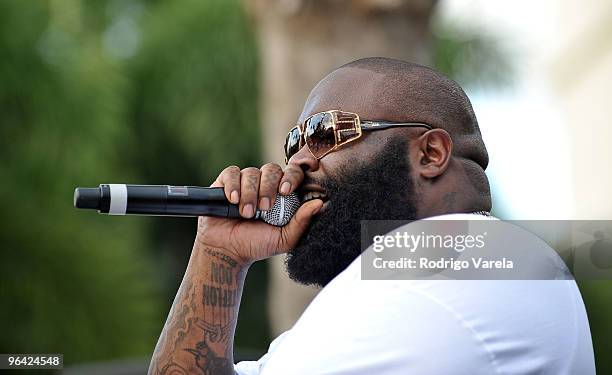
point(435, 327)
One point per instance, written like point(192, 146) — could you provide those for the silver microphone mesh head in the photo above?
point(283, 210)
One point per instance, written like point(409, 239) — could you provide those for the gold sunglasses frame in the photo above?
point(343, 117)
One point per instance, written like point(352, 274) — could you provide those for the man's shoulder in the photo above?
point(504, 326)
point(495, 324)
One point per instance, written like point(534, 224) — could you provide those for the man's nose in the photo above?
point(305, 160)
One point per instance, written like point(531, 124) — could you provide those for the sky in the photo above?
point(527, 140)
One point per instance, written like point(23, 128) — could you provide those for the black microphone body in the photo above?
point(167, 200)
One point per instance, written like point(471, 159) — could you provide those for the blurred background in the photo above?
point(162, 92)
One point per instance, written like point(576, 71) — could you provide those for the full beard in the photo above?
point(378, 190)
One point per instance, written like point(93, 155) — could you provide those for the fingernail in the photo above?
point(285, 187)
point(264, 203)
point(316, 210)
point(247, 211)
point(234, 197)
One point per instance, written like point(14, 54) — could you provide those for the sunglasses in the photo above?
point(325, 132)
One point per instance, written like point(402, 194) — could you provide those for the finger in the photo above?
point(229, 179)
point(292, 178)
point(292, 232)
point(249, 190)
point(271, 174)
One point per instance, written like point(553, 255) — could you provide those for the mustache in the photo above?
point(328, 184)
point(331, 182)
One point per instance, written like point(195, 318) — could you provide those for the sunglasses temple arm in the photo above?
point(376, 125)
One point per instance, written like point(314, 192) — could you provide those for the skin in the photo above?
point(198, 334)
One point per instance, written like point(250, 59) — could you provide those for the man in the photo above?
point(419, 155)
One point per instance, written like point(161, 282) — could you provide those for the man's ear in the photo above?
point(434, 152)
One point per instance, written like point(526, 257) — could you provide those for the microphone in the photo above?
point(166, 200)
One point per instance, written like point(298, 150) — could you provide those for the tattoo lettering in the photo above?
point(213, 296)
point(203, 330)
point(221, 257)
point(221, 274)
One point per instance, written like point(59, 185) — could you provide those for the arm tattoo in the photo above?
point(172, 368)
point(221, 257)
point(201, 321)
point(205, 358)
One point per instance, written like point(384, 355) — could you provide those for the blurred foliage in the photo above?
point(112, 91)
point(597, 299)
point(71, 282)
point(472, 57)
point(194, 112)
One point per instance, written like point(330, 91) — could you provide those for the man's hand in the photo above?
point(199, 333)
point(253, 188)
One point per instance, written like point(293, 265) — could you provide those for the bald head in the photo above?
point(392, 90)
point(380, 88)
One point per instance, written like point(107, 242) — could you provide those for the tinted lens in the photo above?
point(292, 143)
point(319, 134)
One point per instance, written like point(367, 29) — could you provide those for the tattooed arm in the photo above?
point(199, 332)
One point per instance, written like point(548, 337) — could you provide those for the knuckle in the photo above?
point(293, 173)
point(271, 178)
point(251, 171)
point(252, 178)
point(250, 183)
point(230, 174)
point(231, 169)
point(271, 167)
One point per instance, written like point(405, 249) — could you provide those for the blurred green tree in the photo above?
point(193, 112)
point(113, 91)
point(72, 282)
point(597, 299)
point(472, 56)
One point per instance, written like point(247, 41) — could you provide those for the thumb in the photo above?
point(292, 232)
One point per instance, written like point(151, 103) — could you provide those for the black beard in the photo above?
point(377, 190)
